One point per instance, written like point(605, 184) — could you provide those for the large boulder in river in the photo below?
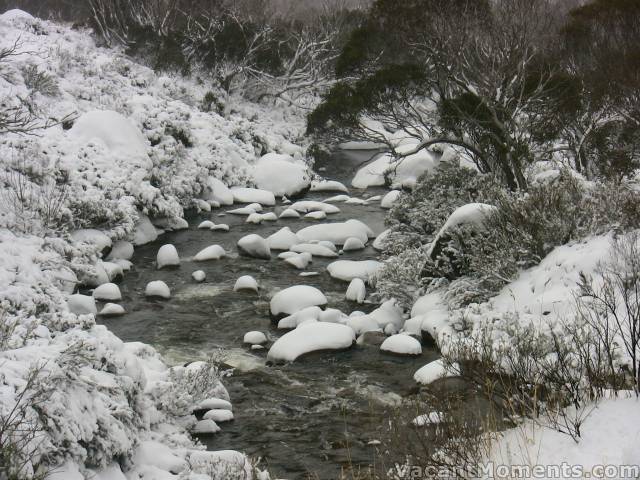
point(311, 337)
point(254, 246)
point(293, 299)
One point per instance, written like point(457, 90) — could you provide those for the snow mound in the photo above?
point(356, 292)
point(246, 282)
point(107, 291)
point(311, 337)
point(144, 231)
point(213, 252)
point(114, 131)
point(289, 213)
point(314, 249)
point(253, 195)
point(337, 198)
point(206, 225)
point(220, 227)
point(300, 260)
point(254, 246)
point(283, 239)
point(222, 464)
point(218, 415)
point(206, 427)
point(199, 276)
point(309, 314)
point(390, 198)
point(336, 233)
point(378, 243)
point(255, 338)
point(315, 215)
point(363, 323)
point(92, 237)
point(308, 206)
point(401, 345)
point(292, 299)
point(352, 244)
point(167, 256)
point(435, 371)
point(216, 191)
point(157, 288)
point(112, 310)
point(328, 186)
point(281, 174)
point(470, 214)
point(82, 304)
point(347, 270)
point(121, 250)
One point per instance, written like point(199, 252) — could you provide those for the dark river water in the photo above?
point(309, 417)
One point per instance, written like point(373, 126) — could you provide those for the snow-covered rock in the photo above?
point(144, 231)
point(283, 239)
point(258, 218)
point(212, 403)
point(337, 233)
point(253, 195)
point(289, 213)
point(255, 246)
point(218, 192)
point(436, 370)
point(199, 276)
point(378, 243)
point(281, 175)
point(311, 337)
point(337, 199)
point(220, 227)
point(167, 256)
point(246, 282)
point(221, 464)
point(113, 270)
point(402, 345)
point(363, 323)
point(206, 427)
point(306, 315)
point(292, 299)
point(347, 270)
point(255, 338)
point(107, 291)
point(157, 288)
point(299, 261)
point(329, 245)
point(307, 206)
point(315, 216)
point(213, 252)
point(218, 415)
point(402, 173)
point(352, 244)
point(206, 225)
point(112, 310)
point(82, 304)
point(328, 186)
point(356, 291)
point(314, 249)
point(390, 198)
point(121, 250)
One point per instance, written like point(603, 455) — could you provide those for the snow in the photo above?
point(112, 129)
point(356, 292)
point(255, 338)
point(281, 175)
point(315, 216)
point(403, 172)
point(218, 415)
point(253, 195)
point(401, 345)
point(248, 210)
point(289, 213)
point(299, 261)
point(157, 288)
point(388, 313)
point(306, 315)
point(314, 249)
point(378, 243)
point(292, 299)
point(212, 403)
point(82, 304)
point(255, 246)
point(337, 198)
point(337, 233)
point(91, 236)
point(246, 282)
point(206, 427)
point(307, 206)
point(390, 198)
point(199, 276)
point(470, 214)
point(213, 252)
point(121, 250)
point(283, 239)
point(257, 218)
point(217, 191)
point(221, 464)
point(107, 291)
point(206, 225)
point(311, 337)
point(167, 256)
point(144, 231)
point(436, 370)
point(363, 323)
point(347, 270)
point(220, 227)
point(112, 310)
point(431, 418)
point(352, 244)
point(328, 186)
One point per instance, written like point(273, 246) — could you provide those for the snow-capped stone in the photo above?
point(337, 199)
point(332, 315)
point(352, 244)
point(125, 265)
point(390, 198)
point(206, 225)
point(113, 270)
point(248, 210)
point(82, 304)
point(401, 345)
point(206, 427)
point(199, 276)
point(309, 274)
point(254, 246)
point(337, 233)
point(315, 216)
point(314, 249)
point(289, 213)
point(107, 291)
point(211, 404)
point(121, 250)
point(329, 245)
point(92, 237)
point(347, 270)
point(403, 172)
point(306, 315)
point(307, 206)
point(258, 218)
point(292, 299)
point(285, 255)
point(388, 313)
point(144, 231)
point(157, 288)
point(216, 191)
point(246, 282)
point(378, 243)
point(283, 239)
point(299, 261)
point(167, 256)
point(363, 323)
point(328, 186)
point(253, 195)
point(356, 201)
point(435, 371)
point(255, 338)
point(356, 292)
point(213, 252)
point(220, 227)
point(218, 415)
point(281, 174)
point(171, 224)
point(390, 329)
point(310, 337)
point(112, 310)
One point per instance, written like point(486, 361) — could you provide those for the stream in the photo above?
point(313, 415)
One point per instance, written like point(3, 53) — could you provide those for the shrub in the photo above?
point(40, 82)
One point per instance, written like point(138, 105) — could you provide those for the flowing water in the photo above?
point(310, 416)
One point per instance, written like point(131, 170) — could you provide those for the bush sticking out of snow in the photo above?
point(167, 256)
point(157, 288)
point(213, 252)
point(254, 246)
point(107, 291)
point(292, 299)
point(311, 337)
point(246, 282)
point(401, 345)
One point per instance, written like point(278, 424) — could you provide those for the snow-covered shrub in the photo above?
point(38, 81)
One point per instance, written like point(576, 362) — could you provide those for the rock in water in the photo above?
point(402, 345)
point(107, 291)
point(311, 337)
point(356, 291)
point(246, 282)
point(254, 246)
point(167, 256)
point(214, 252)
point(157, 288)
point(292, 299)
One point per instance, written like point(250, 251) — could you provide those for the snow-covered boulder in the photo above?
point(389, 313)
point(220, 227)
point(255, 338)
point(113, 270)
point(112, 310)
point(336, 233)
point(352, 244)
point(292, 299)
point(199, 276)
point(281, 175)
point(329, 245)
point(82, 304)
point(307, 206)
point(401, 173)
point(253, 195)
point(216, 191)
point(170, 224)
point(356, 291)
point(436, 370)
point(157, 288)
point(311, 337)
point(283, 239)
point(258, 218)
point(314, 249)
point(347, 270)
point(212, 403)
point(121, 250)
point(378, 243)
point(300, 260)
point(107, 291)
point(328, 186)
point(315, 216)
point(246, 282)
point(218, 415)
point(254, 246)
point(402, 345)
point(206, 427)
point(363, 323)
point(289, 213)
point(144, 231)
point(248, 210)
point(390, 198)
point(167, 256)
point(213, 252)
point(206, 225)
